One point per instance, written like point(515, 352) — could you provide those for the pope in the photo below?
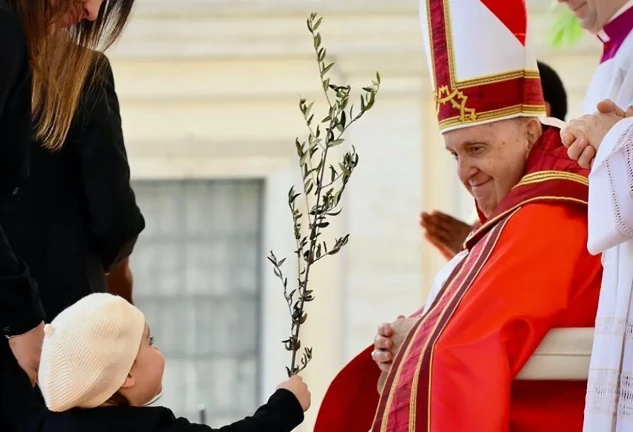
point(453, 365)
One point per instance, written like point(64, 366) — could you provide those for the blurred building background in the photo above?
point(209, 92)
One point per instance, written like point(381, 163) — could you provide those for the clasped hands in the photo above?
point(583, 136)
point(389, 340)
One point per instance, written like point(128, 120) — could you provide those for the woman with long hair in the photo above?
point(46, 53)
point(76, 218)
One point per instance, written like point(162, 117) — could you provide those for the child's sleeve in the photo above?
point(22, 406)
point(282, 413)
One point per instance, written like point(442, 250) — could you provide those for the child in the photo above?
point(99, 368)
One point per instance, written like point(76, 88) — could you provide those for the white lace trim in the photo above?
point(626, 140)
point(614, 326)
point(628, 157)
point(625, 404)
point(602, 395)
point(610, 392)
point(625, 144)
point(622, 145)
point(609, 401)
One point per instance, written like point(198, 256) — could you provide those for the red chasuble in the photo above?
point(528, 271)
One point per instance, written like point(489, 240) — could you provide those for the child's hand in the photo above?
point(296, 385)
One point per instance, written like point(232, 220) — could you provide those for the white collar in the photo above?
point(628, 5)
point(602, 35)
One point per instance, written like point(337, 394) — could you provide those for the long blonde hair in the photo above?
point(62, 61)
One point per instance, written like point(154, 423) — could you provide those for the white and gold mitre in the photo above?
point(483, 68)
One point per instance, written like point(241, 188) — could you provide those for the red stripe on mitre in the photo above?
point(512, 13)
point(439, 44)
point(496, 96)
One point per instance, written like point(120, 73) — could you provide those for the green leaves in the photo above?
point(336, 142)
point(317, 24)
point(327, 68)
point(565, 30)
point(324, 181)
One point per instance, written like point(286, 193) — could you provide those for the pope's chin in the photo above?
point(486, 204)
point(484, 197)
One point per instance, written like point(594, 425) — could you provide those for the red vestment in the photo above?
point(527, 272)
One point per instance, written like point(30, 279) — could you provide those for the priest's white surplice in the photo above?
point(610, 389)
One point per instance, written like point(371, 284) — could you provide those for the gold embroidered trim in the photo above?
point(522, 203)
point(534, 110)
point(543, 176)
point(491, 79)
point(493, 240)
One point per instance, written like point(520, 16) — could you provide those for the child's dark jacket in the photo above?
point(23, 408)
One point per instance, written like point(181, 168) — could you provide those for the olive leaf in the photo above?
point(324, 182)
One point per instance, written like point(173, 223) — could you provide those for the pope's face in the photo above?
point(491, 158)
point(594, 14)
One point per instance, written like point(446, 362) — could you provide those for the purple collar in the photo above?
point(617, 30)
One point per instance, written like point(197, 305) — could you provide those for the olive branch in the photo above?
point(323, 185)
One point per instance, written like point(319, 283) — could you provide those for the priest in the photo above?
point(603, 138)
point(524, 272)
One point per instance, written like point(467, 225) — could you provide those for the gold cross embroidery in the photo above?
point(457, 99)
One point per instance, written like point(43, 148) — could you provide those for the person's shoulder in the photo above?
point(551, 221)
point(58, 421)
point(624, 56)
point(553, 212)
point(11, 30)
point(545, 234)
point(106, 419)
point(8, 18)
point(101, 59)
point(101, 70)
point(555, 209)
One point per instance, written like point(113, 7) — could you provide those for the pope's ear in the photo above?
point(534, 130)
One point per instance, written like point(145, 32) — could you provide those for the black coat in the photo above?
point(282, 413)
point(20, 308)
point(75, 217)
point(26, 412)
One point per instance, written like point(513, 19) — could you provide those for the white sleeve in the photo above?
point(441, 278)
point(611, 190)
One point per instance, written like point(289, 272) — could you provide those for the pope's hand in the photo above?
point(389, 340)
point(583, 136)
